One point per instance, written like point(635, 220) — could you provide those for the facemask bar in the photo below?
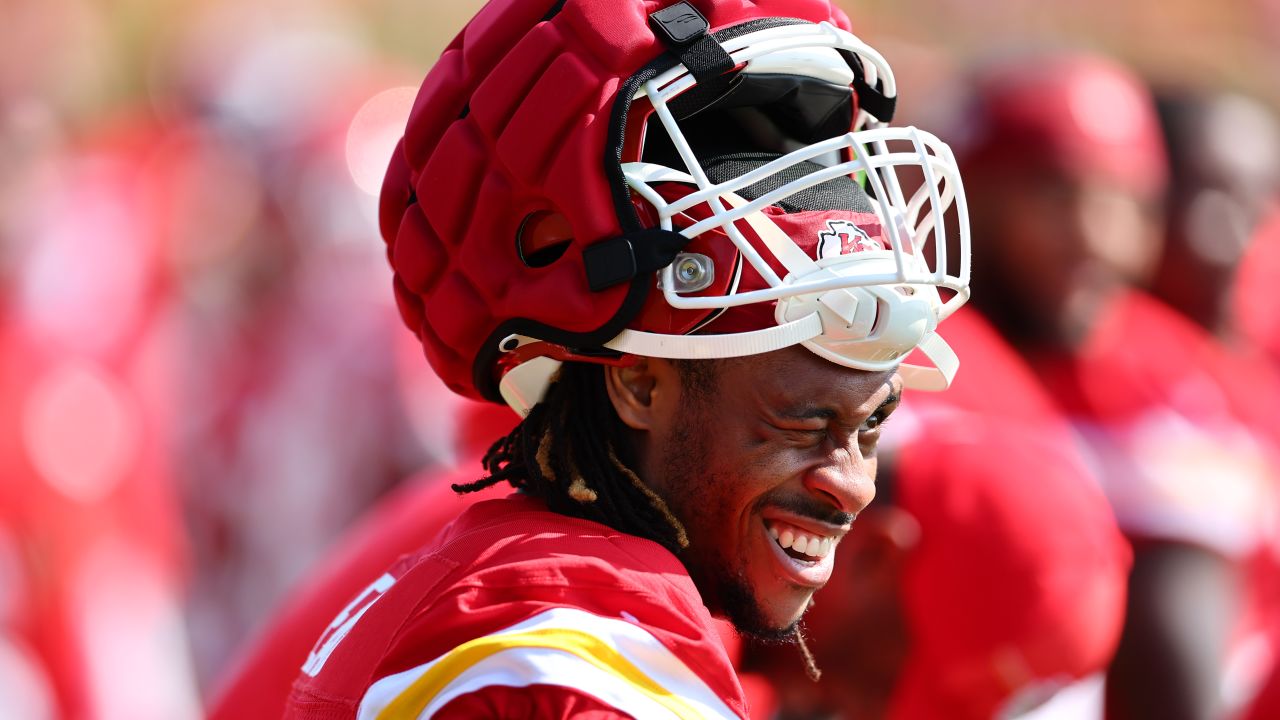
point(908, 234)
point(870, 151)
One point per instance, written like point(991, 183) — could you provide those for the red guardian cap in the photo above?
point(1017, 584)
point(590, 179)
point(1078, 114)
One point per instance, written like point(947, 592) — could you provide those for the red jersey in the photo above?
point(1183, 437)
point(993, 380)
point(1253, 311)
point(516, 611)
point(1157, 403)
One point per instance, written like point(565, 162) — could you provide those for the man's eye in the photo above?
point(803, 434)
point(807, 432)
point(877, 419)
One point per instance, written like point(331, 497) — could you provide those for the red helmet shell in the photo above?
point(520, 115)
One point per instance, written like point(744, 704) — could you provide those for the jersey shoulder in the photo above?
point(514, 595)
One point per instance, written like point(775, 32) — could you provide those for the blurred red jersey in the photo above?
point(1158, 404)
point(1015, 592)
point(994, 381)
point(1253, 307)
point(93, 558)
point(582, 619)
point(1184, 440)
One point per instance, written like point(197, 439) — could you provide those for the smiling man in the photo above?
point(673, 238)
point(765, 463)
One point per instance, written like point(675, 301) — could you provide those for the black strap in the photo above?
point(871, 99)
point(686, 33)
point(622, 258)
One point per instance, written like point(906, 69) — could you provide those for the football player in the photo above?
point(1067, 153)
point(673, 237)
point(1224, 161)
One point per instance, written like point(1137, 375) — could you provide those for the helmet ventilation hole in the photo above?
point(543, 237)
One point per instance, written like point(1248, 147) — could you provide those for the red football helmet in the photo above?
point(564, 160)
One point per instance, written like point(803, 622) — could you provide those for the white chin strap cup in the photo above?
point(526, 384)
point(938, 377)
point(874, 327)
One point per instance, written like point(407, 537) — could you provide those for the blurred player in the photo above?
point(92, 562)
point(657, 484)
point(287, 370)
point(258, 682)
point(1223, 205)
point(1260, 267)
point(1066, 154)
point(1224, 155)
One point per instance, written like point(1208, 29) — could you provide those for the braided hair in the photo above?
point(572, 451)
point(575, 429)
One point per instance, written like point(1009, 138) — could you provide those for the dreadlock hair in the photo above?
point(810, 664)
point(573, 452)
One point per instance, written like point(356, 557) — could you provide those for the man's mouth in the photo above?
point(800, 544)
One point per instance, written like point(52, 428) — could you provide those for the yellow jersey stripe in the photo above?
point(415, 698)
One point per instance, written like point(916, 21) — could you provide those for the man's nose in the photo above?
point(846, 480)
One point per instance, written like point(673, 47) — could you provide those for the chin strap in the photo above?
point(938, 377)
point(524, 385)
point(620, 259)
point(702, 347)
point(687, 35)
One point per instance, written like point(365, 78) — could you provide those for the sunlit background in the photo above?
point(203, 378)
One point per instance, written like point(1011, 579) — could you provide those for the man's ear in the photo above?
point(640, 391)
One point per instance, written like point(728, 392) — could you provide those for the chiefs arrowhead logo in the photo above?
point(844, 238)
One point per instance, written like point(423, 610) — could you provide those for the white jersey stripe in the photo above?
point(613, 660)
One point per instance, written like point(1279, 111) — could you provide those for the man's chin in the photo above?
point(742, 609)
point(767, 635)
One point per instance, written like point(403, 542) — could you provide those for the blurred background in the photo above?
point(203, 377)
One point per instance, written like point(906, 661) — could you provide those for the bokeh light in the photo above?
point(374, 132)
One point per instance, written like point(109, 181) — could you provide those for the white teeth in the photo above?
point(815, 547)
point(814, 544)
